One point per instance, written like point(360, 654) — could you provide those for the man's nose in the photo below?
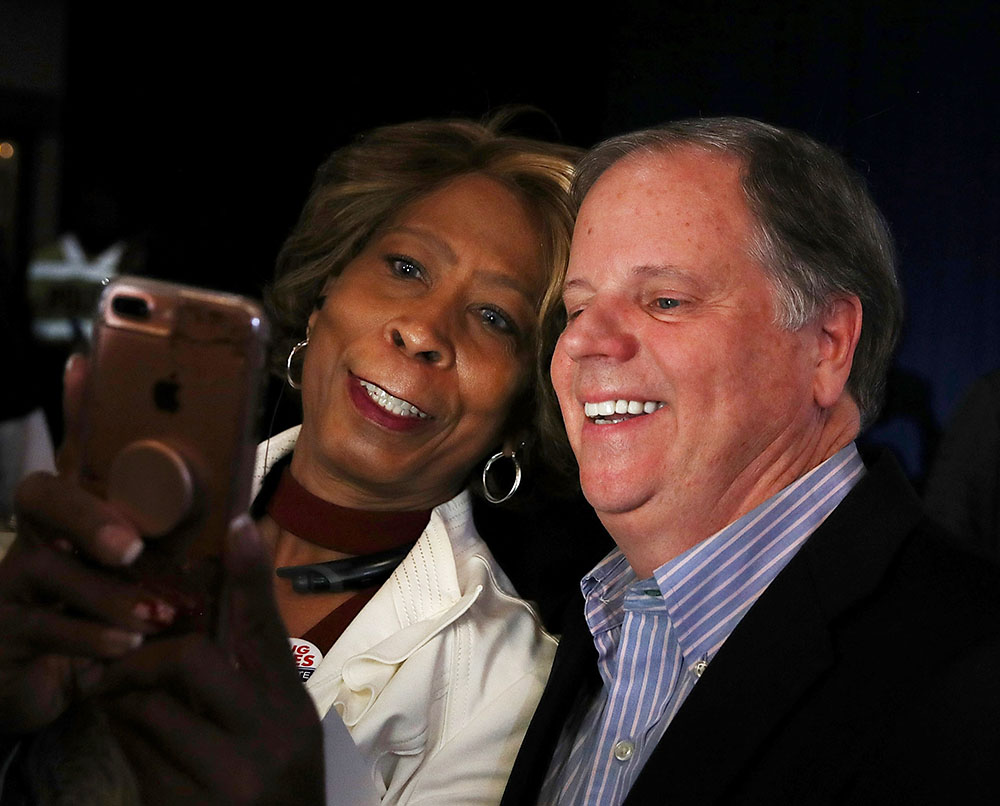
point(599, 331)
point(423, 336)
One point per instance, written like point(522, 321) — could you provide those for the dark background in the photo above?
point(206, 127)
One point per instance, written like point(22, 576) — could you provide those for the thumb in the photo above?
point(252, 632)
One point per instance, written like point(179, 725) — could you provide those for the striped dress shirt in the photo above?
point(656, 636)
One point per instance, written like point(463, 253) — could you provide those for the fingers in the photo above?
point(31, 632)
point(40, 575)
point(74, 383)
point(52, 509)
point(52, 604)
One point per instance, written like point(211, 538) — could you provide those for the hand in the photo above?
point(224, 721)
point(61, 613)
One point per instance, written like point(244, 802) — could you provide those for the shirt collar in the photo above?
point(707, 589)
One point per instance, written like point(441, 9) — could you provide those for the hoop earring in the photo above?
point(288, 364)
point(513, 487)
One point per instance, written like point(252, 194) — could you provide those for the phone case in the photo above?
point(169, 427)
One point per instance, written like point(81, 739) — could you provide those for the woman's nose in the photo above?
point(600, 331)
point(423, 339)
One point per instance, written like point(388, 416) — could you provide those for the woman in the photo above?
point(409, 298)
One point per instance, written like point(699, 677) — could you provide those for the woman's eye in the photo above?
point(498, 320)
point(666, 303)
point(404, 267)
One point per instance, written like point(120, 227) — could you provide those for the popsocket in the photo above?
point(153, 484)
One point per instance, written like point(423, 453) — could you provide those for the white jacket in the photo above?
point(437, 677)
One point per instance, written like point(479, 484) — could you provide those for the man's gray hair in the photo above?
point(819, 234)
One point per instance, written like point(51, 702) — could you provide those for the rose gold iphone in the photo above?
point(169, 427)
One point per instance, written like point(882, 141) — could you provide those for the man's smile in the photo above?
point(607, 412)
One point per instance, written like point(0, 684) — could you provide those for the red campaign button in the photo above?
point(307, 656)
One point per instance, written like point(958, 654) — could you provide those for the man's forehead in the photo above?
point(667, 174)
point(685, 199)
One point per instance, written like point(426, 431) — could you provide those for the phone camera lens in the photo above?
point(130, 307)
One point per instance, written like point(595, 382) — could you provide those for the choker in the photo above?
point(351, 531)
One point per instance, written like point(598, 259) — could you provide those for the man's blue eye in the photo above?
point(666, 303)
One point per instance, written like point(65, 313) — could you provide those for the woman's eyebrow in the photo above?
point(438, 244)
point(491, 276)
point(505, 280)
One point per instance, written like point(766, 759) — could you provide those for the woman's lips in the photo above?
point(379, 406)
point(391, 403)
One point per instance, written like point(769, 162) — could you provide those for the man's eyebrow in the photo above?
point(665, 271)
point(652, 271)
point(573, 285)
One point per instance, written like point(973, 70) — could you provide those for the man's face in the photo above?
point(671, 320)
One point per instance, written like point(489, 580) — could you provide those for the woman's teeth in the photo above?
point(615, 411)
point(391, 403)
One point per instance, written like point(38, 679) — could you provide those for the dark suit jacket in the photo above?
point(868, 672)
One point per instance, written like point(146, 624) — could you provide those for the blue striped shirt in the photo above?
point(656, 636)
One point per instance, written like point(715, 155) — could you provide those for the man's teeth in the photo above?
point(396, 405)
point(606, 410)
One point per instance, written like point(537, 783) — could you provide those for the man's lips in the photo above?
point(616, 410)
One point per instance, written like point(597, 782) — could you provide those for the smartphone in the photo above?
point(169, 428)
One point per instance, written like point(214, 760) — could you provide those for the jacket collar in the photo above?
point(778, 650)
point(783, 644)
point(420, 598)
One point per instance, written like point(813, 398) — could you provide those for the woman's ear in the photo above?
point(318, 305)
point(839, 331)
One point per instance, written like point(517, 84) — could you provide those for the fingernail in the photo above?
point(154, 611)
point(241, 525)
point(243, 535)
point(118, 641)
point(72, 363)
point(120, 543)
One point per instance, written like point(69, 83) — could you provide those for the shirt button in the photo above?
point(624, 750)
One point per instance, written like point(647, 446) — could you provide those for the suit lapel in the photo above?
point(782, 645)
point(574, 673)
point(757, 676)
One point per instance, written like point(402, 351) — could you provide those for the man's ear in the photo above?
point(838, 333)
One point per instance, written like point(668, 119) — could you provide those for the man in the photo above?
point(778, 624)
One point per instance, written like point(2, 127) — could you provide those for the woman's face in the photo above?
point(420, 348)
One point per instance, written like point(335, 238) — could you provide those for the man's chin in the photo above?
point(613, 499)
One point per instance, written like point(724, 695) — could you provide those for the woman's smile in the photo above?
point(379, 406)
